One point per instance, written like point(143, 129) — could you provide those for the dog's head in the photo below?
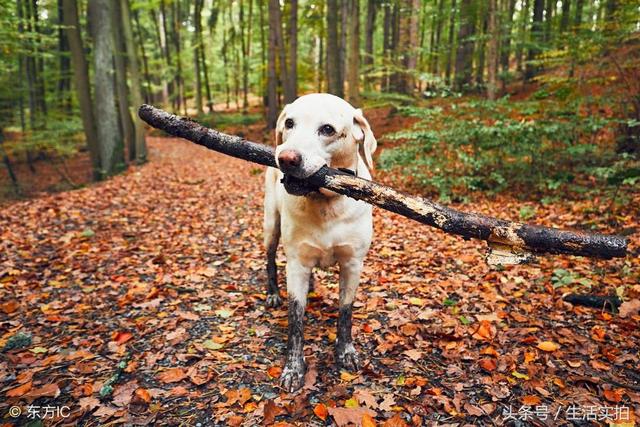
point(319, 129)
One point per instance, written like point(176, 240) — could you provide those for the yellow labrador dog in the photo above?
point(321, 228)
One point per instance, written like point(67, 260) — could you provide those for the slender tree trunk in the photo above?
point(343, 30)
point(524, 20)
point(450, 42)
point(39, 64)
point(272, 82)
point(464, 53)
point(564, 18)
point(164, 42)
point(280, 46)
point(536, 38)
point(353, 62)
point(122, 89)
point(506, 43)
point(134, 75)
point(577, 20)
point(246, 52)
point(205, 71)
point(263, 57)
point(548, 20)
point(179, 79)
point(81, 80)
point(197, 19)
point(333, 56)
point(408, 41)
point(483, 39)
point(291, 85)
point(435, 50)
point(492, 68)
point(145, 62)
point(369, 57)
point(108, 131)
point(64, 81)
point(7, 164)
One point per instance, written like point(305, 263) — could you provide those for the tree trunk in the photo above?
point(64, 80)
point(280, 46)
point(145, 61)
point(369, 57)
point(106, 113)
point(291, 84)
point(203, 61)
point(511, 242)
point(164, 43)
point(483, 39)
point(564, 19)
point(342, 47)
point(333, 54)
point(122, 89)
point(179, 79)
point(410, 54)
point(506, 43)
point(464, 53)
point(353, 64)
point(81, 80)
point(272, 81)
point(492, 66)
point(263, 57)
point(524, 20)
point(536, 38)
point(577, 20)
point(450, 42)
point(548, 20)
point(435, 48)
point(197, 19)
point(134, 75)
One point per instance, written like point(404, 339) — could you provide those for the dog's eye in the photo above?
point(288, 123)
point(327, 130)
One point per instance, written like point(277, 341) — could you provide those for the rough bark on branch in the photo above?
point(512, 240)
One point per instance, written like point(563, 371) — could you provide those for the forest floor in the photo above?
point(143, 297)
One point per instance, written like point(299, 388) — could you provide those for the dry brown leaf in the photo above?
point(47, 390)
point(20, 390)
point(345, 416)
point(629, 308)
point(172, 375)
point(549, 346)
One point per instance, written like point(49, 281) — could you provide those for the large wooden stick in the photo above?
point(513, 239)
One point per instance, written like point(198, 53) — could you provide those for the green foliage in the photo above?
point(537, 145)
point(226, 120)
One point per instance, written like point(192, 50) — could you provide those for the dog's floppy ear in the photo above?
point(280, 125)
point(367, 143)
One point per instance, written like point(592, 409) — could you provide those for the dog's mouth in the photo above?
point(297, 186)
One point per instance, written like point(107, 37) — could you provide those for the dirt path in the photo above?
point(162, 268)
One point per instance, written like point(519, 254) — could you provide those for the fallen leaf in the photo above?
point(121, 337)
point(47, 390)
point(347, 376)
point(20, 390)
point(614, 395)
point(368, 421)
point(143, 394)
point(488, 364)
point(345, 416)
point(395, 421)
point(629, 308)
point(549, 346)
point(413, 354)
point(274, 371)
point(321, 411)
point(531, 400)
point(172, 375)
point(271, 411)
point(366, 398)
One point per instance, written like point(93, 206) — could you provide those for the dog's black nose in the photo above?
point(289, 160)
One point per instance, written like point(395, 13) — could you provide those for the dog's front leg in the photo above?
point(292, 377)
point(346, 355)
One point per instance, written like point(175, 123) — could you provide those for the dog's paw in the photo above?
point(273, 300)
point(347, 358)
point(292, 377)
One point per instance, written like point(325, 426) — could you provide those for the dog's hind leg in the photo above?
point(346, 355)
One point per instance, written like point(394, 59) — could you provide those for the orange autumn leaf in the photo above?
point(9, 307)
point(274, 371)
point(321, 411)
point(549, 346)
point(368, 421)
point(121, 337)
point(143, 394)
point(395, 421)
point(172, 375)
point(20, 390)
point(614, 395)
point(530, 400)
point(488, 364)
point(484, 332)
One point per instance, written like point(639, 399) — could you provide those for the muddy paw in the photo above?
point(347, 358)
point(273, 300)
point(292, 377)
